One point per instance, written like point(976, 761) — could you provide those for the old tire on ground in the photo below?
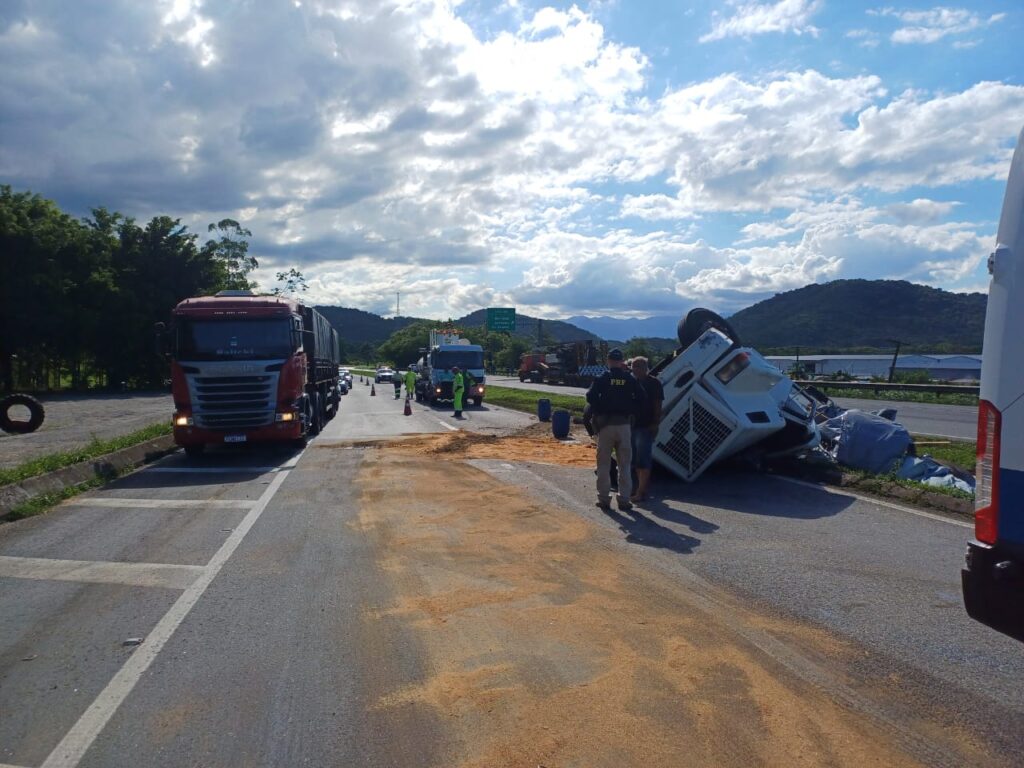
point(699, 320)
point(36, 414)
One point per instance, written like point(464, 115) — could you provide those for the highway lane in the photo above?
point(277, 597)
point(959, 422)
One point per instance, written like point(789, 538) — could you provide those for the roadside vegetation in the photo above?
point(96, 448)
point(526, 400)
point(898, 396)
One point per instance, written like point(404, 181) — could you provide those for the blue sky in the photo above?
point(610, 157)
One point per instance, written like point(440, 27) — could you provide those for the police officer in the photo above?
point(615, 398)
point(458, 390)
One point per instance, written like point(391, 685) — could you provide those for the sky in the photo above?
point(613, 157)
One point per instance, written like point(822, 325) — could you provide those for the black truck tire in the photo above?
point(699, 320)
point(36, 414)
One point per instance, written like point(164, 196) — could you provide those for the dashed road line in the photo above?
point(123, 503)
point(69, 752)
point(448, 426)
point(165, 575)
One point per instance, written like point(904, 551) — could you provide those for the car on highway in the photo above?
point(346, 374)
point(993, 576)
point(383, 374)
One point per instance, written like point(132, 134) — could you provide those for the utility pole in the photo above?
point(892, 368)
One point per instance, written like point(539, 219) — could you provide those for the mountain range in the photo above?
point(839, 315)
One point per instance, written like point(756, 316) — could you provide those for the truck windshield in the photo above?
point(470, 358)
point(234, 339)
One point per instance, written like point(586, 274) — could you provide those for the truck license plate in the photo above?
point(234, 438)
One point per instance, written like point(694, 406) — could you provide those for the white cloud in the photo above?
point(761, 18)
point(929, 26)
point(390, 146)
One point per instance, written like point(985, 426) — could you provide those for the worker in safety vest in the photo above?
point(410, 384)
point(458, 390)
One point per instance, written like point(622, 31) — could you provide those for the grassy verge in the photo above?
point(39, 504)
point(959, 453)
point(55, 461)
point(526, 400)
point(897, 396)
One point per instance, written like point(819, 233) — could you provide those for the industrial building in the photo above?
point(938, 367)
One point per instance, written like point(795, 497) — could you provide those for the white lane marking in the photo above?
point(120, 502)
point(166, 575)
point(219, 470)
point(8, 765)
point(446, 425)
point(69, 752)
point(872, 500)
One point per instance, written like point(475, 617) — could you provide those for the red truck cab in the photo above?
point(247, 368)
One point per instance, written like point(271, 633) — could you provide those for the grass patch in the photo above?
point(526, 400)
point(55, 461)
point(959, 453)
point(943, 398)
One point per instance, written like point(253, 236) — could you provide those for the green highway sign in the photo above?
point(501, 318)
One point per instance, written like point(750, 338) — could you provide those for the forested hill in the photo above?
point(357, 327)
point(526, 326)
point(846, 314)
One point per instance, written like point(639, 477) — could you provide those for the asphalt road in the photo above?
point(959, 422)
point(272, 635)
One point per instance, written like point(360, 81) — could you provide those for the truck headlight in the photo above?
point(480, 390)
point(286, 416)
point(733, 368)
point(438, 390)
point(181, 420)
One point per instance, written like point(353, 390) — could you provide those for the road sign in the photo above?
point(501, 318)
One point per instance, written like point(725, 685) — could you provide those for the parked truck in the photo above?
point(447, 349)
point(248, 368)
point(993, 576)
point(576, 363)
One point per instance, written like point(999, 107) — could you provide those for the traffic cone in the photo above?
point(373, 390)
point(408, 407)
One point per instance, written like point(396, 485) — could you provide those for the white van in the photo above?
point(993, 579)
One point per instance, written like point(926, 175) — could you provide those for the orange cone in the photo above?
point(373, 391)
point(408, 407)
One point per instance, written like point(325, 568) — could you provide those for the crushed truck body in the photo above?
point(722, 399)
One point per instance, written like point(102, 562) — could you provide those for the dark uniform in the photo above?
point(615, 399)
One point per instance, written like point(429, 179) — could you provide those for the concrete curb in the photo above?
point(102, 466)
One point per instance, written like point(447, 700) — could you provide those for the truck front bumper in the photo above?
point(271, 433)
point(993, 587)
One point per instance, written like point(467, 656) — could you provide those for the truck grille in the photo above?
point(233, 401)
point(692, 449)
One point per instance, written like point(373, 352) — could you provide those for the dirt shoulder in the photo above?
point(549, 646)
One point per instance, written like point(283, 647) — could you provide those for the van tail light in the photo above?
point(986, 492)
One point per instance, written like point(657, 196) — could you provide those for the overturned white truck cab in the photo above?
point(722, 398)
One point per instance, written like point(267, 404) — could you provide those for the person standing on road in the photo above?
point(396, 382)
point(616, 398)
point(410, 384)
point(458, 390)
point(645, 428)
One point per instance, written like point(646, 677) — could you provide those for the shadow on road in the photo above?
point(640, 529)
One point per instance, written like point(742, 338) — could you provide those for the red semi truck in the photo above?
point(248, 368)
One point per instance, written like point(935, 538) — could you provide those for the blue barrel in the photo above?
point(560, 421)
point(544, 409)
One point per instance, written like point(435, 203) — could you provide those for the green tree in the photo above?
point(231, 251)
point(637, 347)
point(403, 346)
point(290, 283)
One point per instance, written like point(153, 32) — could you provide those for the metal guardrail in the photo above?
point(931, 389)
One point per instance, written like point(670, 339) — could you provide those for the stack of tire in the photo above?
point(18, 427)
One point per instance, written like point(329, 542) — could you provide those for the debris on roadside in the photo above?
point(133, 641)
